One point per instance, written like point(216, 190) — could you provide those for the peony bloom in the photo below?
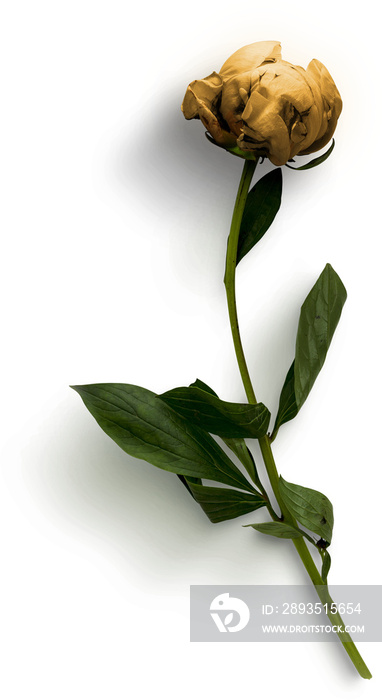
point(266, 106)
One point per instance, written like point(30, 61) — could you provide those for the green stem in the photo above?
point(265, 445)
point(230, 270)
point(334, 617)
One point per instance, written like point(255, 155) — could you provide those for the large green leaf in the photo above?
point(237, 445)
point(201, 385)
point(224, 504)
point(287, 405)
point(228, 420)
point(145, 427)
point(277, 530)
point(319, 317)
point(187, 480)
point(262, 205)
point(311, 508)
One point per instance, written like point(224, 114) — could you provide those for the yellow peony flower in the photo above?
point(266, 106)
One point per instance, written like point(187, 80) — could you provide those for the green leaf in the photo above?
point(146, 428)
point(237, 445)
point(240, 449)
point(228, 420)
point(287, 405)
point(277, 530)
point(182, 478)
point(201, 385)
point(190, 479)
point(262, 205)
point(326, 562)
point(311, 508)
point(224, 504)
point(319, 317)
point(315, 161)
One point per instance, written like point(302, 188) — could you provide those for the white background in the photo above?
point(116, 212)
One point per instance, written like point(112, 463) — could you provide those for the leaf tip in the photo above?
point(330, 269)
point(79, 388)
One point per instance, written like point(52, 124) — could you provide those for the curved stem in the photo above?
point(264, 442)
point(230, 269)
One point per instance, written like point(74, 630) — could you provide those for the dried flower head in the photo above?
point(266, 106)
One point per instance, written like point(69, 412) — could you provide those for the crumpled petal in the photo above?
point(250, 56)
point(234, 98)
point(206, 91)
point(264, 129)
point(211, 122)
point(332, 105)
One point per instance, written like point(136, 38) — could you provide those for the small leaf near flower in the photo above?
point(262, 205)
point(315, 161)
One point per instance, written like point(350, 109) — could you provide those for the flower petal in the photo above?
point(263, 127)
point(332, 105)
point(234, 98)
point(251, 56)
point(281, 81)
point(212, 124)
point(205, 91)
